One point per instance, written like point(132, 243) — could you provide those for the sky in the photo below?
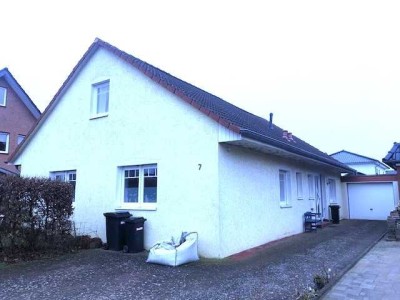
point(329, 71)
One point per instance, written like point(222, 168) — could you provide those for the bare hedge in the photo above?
point(36, 214)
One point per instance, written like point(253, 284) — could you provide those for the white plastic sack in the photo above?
point(166, 253)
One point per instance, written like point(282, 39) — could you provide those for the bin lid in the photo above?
point(334, 205)
point(135, 220)
point(117, 214)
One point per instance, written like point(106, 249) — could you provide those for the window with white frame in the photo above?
point(3, 96)
point(311, 187)
point(140, 184)
point(65, 176)
point(299, 182)
point(100, 98)
point(332, 190)
point(20, 138)
point(284, 188)
point(4, 142)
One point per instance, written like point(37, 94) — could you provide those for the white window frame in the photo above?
point(299, 184)
point(311, 186)
point(7, 135)
point(94, 111)
point(284, 188)
point(141, 204)
point(3, 98)
point(66, 176)
point(332, 191)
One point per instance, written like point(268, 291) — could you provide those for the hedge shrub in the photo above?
point(36, 214)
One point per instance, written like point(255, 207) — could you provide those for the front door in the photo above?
point(319, 207)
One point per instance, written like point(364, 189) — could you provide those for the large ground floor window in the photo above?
point(65, 176)
point(140, 184)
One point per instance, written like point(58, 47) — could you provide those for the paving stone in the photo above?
point(377, 273)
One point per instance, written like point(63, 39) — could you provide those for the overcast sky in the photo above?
point(328, 70)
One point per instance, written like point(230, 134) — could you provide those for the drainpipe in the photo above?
point(398, 180)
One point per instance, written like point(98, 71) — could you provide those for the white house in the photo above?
point(361, 163)
point(133, 137)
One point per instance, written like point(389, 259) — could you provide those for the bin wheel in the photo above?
point(125, 249)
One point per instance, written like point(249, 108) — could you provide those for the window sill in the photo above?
point(99, 116)
point(136, 206)
point(285, 206)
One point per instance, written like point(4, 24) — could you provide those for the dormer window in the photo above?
point(100, 99)
point(3, 96)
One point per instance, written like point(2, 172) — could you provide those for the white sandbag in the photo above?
point(166, 253)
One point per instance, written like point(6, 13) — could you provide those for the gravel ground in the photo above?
point(274, 271)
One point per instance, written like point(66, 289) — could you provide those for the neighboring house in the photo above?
point(133, 137)
point(371, 196)
point(362, 164)
point(393, 157)
point(18, 114)
point(393, 160)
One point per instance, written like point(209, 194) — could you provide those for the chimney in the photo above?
point(290, 137)
point(285, 134)
point(271, 125)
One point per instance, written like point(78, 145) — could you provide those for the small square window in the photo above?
point(4, 142)
point(3, 96)
point(100, 99)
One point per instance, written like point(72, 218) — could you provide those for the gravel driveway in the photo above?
point(275, 271)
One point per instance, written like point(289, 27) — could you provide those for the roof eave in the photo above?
point(82, 62)
point(295, 150)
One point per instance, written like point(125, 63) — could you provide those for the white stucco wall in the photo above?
point(229, 195)
point(146, 124)
point(250, 212)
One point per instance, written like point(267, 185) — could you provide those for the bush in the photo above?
point(36, 214)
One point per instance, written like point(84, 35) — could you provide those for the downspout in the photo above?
point(398, 180)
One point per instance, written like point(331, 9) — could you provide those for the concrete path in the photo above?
point(375, 276)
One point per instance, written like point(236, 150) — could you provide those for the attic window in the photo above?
point(100, 99)
point(3, 96)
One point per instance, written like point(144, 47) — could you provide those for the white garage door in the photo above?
point(370, 201)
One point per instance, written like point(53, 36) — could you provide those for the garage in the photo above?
point(371, 200)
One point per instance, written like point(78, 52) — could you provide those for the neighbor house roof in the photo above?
point(350, 158)
point(26, 100)
point(393, 156)
point(225, 113)
point(6, 74)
